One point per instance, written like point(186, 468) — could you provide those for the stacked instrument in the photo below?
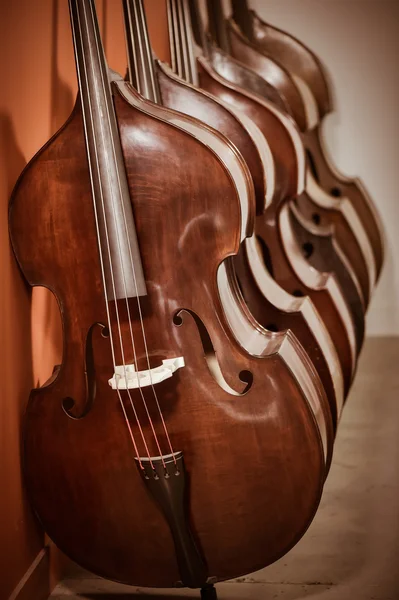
point(213, 271)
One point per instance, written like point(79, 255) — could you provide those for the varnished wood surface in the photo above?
point(184, 98)
point(286, 159)
point(287, 278)
point(238, 73)
point(284, 153)
point(259, 60)
point(275, 319)
point(278, 138)
point(320, 246)
point(247, 53)
point(255, 461)
point(267, 225)
point(294, 56)
point(340, 186)
point(270, 43)
point(345, 238)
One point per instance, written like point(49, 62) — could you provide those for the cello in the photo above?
point(142, 450)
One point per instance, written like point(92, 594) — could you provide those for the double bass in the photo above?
point(178, 443)
point(348, 227)
point(274, 222)
point(278, 311)
point(319, 244)
point(258, 44)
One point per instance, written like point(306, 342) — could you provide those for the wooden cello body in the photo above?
point(204, 475)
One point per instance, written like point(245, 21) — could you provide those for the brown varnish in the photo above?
point(255, 461)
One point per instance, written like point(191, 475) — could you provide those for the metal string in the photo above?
point(130, 321)
point(102, 265)
point(182, 26)
point(114, 292)
point(139, 304)
point(177, 16)
point(127, 306)
point(179, 65)
point(171, 37)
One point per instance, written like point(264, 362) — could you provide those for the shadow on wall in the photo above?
point(30, 329)
point(133, 596)
point(17, 380)
point(16, 347)
point(45, 315)
point(62, 98)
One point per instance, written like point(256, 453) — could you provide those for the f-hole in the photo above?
point(308, 249)
point(210, 355)
point(298, 293)
point(312, 165)
point(316, 218)
point(267, 259)
point(68, 403)
point(336, 192)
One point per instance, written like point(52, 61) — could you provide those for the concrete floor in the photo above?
point(351, 551)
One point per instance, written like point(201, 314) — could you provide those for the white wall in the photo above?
point(358, 41)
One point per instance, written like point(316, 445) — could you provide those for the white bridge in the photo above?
point(127, 378)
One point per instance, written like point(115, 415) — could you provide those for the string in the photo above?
point(184, 26)
point(113, 282)
point(171, 37)
point(140, 313)
point(125, 290)
point(187, 29)
point(127, 303)
point(179, 26)
point(182, 38)
point(179, 69)
point(100, 248)
point(141, 317)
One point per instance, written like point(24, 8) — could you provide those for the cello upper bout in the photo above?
point(36, 199)
point(179, 95)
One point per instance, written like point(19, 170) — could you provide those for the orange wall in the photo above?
point(36, 96)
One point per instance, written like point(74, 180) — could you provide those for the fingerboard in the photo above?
point(140, 58)
point(120, 259)
point(182, 45)
point(216, 24)
point(242, 16)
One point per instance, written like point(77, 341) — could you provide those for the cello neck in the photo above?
point(182, 40)
point(242, 16)
point(116, 234)
point(216, 24)
point(140, 58)
point(197, 27)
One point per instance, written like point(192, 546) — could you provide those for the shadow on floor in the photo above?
point(133, 596)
